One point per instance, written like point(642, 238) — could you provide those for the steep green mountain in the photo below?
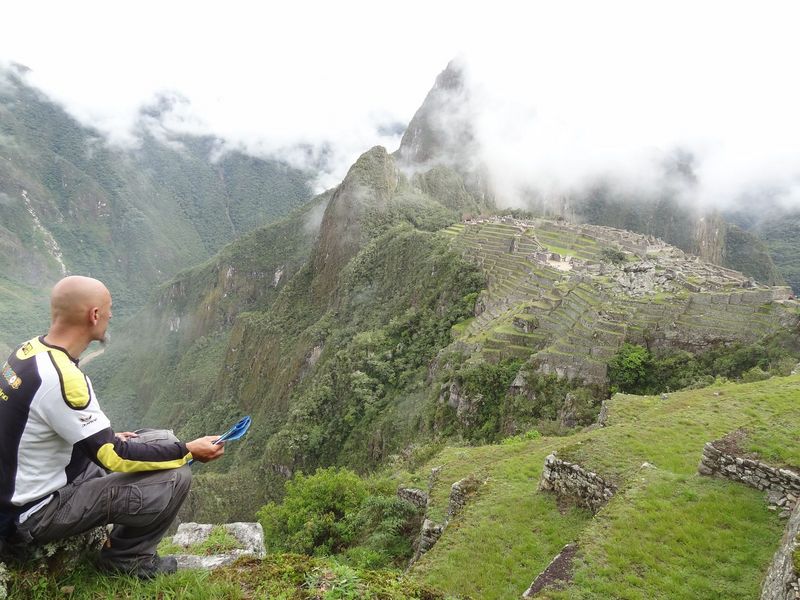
point(71, 204)
point(778, 227)
point(322, 330)
point(394, 323)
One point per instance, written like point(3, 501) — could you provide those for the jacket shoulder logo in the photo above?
point(11, 377)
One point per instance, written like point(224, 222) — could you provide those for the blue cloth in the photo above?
point(235, 432)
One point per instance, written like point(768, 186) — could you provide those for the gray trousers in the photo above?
point(141, 506)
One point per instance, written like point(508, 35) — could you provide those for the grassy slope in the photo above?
point(284, 577)
point(668, 533)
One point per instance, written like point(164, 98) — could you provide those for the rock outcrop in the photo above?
point(56, 557)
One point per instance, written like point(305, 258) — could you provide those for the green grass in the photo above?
point(287, 577)
point(677, 536)
point(507, 532)
point(219, 541)
point(668, 532)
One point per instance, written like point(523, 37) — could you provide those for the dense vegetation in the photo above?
point(387, 326)
point(284, 576)
point(334, 511)
point(637, 370)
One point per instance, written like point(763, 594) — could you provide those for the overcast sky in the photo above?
point(564, 91)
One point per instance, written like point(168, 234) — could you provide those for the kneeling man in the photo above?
point(63, 470)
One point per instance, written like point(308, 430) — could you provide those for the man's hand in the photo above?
point(126, 435)
point(204, 449)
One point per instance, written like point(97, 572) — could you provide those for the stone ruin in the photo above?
point(570, 321)
point(571, 481)
point(782, 487)
point(431, 531)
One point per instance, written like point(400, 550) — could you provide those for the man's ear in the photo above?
point(94, 315)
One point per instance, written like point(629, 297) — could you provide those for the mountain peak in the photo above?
point(441, 130)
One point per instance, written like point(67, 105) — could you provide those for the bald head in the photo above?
point(73, 297)
point(81, 309)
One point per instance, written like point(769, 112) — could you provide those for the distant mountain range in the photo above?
point(71, 204)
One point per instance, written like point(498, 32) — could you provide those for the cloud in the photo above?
point(585, 102)
point(563, 93)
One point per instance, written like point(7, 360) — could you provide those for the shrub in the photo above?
point(531, 434)
point(387, 526)
point(335, 511)
point(613, 256)
point(755, 374)
point(316, 514)
point(628, 370)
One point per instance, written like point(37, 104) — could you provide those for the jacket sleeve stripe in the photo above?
point(112, 461)
point(74, 386)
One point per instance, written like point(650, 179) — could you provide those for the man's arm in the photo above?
point(121, 455)
point(73, 412)
point(203, 449)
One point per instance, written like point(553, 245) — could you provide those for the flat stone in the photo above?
point(249, 535)
point(189, 534)
point(774, 497)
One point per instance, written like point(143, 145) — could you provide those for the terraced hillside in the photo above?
point(668, 532)
point(566, 296)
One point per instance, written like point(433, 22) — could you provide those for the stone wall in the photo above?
point(459, 494)
point(781, 582)
point(431, 531)
point(573, 481)
point(415, 496)
point(783, 489)
point(782, 485)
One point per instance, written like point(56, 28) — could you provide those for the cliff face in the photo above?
point(366, 191)
point(441, 133)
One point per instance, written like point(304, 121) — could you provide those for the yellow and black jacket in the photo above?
point(51, 426)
